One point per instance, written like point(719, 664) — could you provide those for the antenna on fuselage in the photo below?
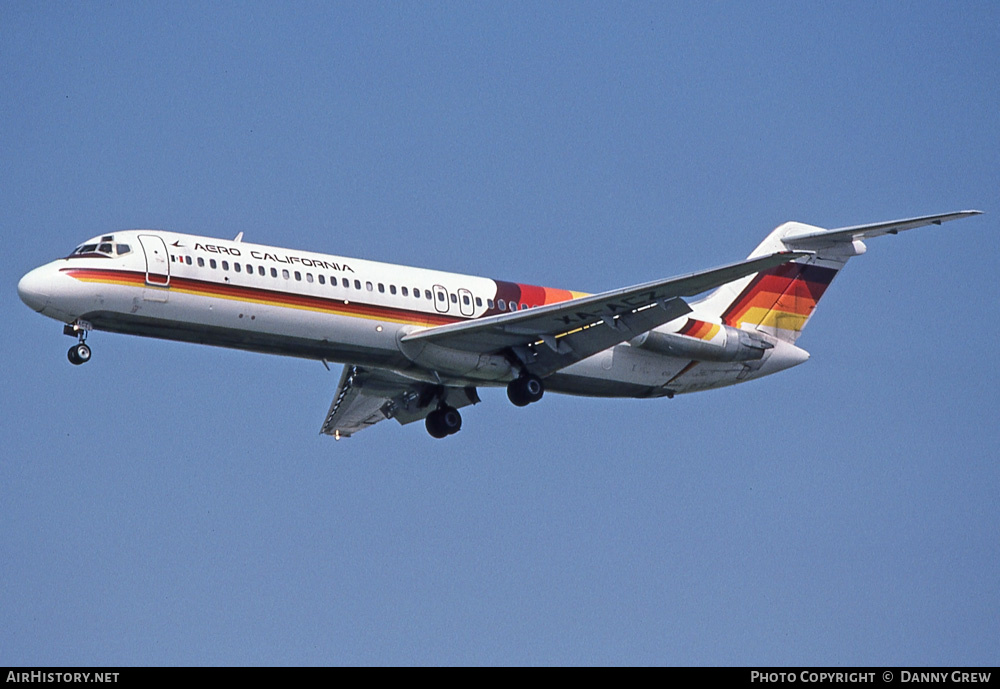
point(239, 237)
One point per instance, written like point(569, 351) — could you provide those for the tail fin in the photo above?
point(779, 301)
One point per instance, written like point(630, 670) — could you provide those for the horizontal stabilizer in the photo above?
point(820, 240)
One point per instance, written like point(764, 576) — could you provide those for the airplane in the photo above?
point(417, 344)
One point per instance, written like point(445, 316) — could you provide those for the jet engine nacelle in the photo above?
point(729, 344)
point(454, 362)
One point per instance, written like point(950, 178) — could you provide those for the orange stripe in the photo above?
point(269, 298)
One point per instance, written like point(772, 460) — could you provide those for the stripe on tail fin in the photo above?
point(780, 301)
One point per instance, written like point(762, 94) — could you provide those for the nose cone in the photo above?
point(33, 289)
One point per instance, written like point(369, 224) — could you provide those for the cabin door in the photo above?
point(440, 299)
point(157, 262)
point(465, 302)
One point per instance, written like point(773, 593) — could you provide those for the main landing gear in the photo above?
point(80, 352)
point(443, 421)
point(525, 390)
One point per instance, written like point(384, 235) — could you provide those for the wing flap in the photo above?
point(352, 411)
point(366, 396)
point(557, 353)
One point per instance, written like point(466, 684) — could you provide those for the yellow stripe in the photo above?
point(773, 318)
point(107, 281)
point(264, 302)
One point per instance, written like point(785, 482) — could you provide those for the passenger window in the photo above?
point(249, 268)
point(309, 277)
point(465, 300)
point(501, 304)
point(322, 279)
point(345, 282)
point(392, 289)
point(261, 271)
point(489, 303)
point(479, 301)
point(454, 299)
point(201, 262)
point(274, 272)
point(212, 264)
point(369, 286)
point(406, 292)
point(381, 288)
point(187, 259)
point(298, 276)
point(237, 267)
point(513, 306)
point(225, 265)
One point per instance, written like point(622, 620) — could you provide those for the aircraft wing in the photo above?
point(548, 338)
point(366, 396)
point(827, 238)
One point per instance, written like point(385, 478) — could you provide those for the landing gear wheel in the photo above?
point(78, 354)
point(443, 421)
point(525, 390)
point(434, 426)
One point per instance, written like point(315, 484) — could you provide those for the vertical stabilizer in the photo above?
point(780, 300)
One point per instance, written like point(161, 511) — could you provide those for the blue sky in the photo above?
point(175, 504)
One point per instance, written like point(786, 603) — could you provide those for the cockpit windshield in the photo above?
point(105, 247)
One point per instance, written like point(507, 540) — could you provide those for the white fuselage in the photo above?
point(331, 308)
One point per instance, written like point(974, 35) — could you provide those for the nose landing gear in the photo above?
point(80, 352)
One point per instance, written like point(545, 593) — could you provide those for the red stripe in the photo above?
point(532, 295)
point(798, 287)
point(281, 298)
